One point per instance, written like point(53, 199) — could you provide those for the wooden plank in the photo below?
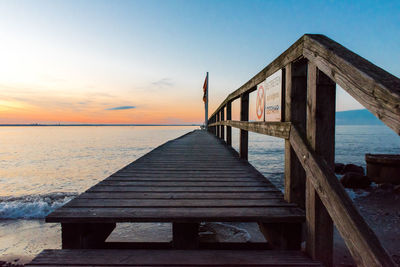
point(181, 214)
point(182, 178)
point(295, 112)
point(222, 131)
point(277, 129)
point(192, 175)
point(180, 183)
point(373, 87)
point(362, 242)
point(321, 93)
point(79, 202)
point(111, 257)
point(244, 135)
point(182, 195)
point(99, 188)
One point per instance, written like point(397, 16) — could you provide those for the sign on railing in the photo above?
point(260, 102)
point(269, 98)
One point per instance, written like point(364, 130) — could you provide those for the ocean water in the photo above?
point(41, 168)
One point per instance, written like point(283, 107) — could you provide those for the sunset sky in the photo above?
point(145, 61)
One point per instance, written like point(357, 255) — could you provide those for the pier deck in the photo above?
point(192, 179)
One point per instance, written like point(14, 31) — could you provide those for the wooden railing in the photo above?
point(311, 68)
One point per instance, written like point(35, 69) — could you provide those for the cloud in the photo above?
point(121, 108)
point(163, 82)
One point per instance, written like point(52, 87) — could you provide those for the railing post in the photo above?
point(244, 116)
point(295, 112)
point(217, 126)
point(229, 128)
point(321, 93)
point(222, 126)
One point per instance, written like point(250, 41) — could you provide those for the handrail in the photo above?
point(292, 53)
point(362, 242)
point(373, 87)
point(277, 129)
point(326, 63)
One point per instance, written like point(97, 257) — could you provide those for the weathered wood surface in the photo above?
point(362, 242)
point(127, 257)
point(295, 112)
point(191, 179)
point(277, 129)
point(320, 131)
point(244, 135)
point(373, 87)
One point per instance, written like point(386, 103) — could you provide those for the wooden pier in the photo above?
point(192, 179)
point(200, 178)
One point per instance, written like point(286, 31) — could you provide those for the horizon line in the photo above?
point(96, 124)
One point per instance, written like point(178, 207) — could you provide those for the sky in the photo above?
point(145, 61)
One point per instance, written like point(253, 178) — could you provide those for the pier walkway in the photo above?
point(192, 179)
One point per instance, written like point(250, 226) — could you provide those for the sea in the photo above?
point(43, 167)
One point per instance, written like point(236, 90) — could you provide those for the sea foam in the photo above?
point(32, 206)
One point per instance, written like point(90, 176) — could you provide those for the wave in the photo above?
point(32, 206)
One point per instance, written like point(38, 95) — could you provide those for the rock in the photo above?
point(339, 168)
point(355, 180)
point(353, 168)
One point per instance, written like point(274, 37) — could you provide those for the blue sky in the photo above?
point(93, 56)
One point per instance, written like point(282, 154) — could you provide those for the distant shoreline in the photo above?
point(90, 124)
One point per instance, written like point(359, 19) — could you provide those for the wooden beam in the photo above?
point(321, 93)
point(277, 129)
point(362, 242)
point(244, 135)
point(292, 53)
point(229, 128)
point(373, 87)
point(295, 112)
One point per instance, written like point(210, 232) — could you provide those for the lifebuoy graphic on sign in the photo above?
point(260, 102)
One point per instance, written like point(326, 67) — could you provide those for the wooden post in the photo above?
point(295, 112)
point(185, 235)
point(214, 128)
point(244, 135)
point(229, 128)
point(321, 93)
point(85, 235)
point(217, 126)
point(282, 236)
point(222, 126)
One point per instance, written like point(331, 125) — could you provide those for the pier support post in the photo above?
point(185, 235)
point(244, 135)
point(295, 112)
point(282, 236)
point(229, 128)
point(85, 235)
point(321, 104)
